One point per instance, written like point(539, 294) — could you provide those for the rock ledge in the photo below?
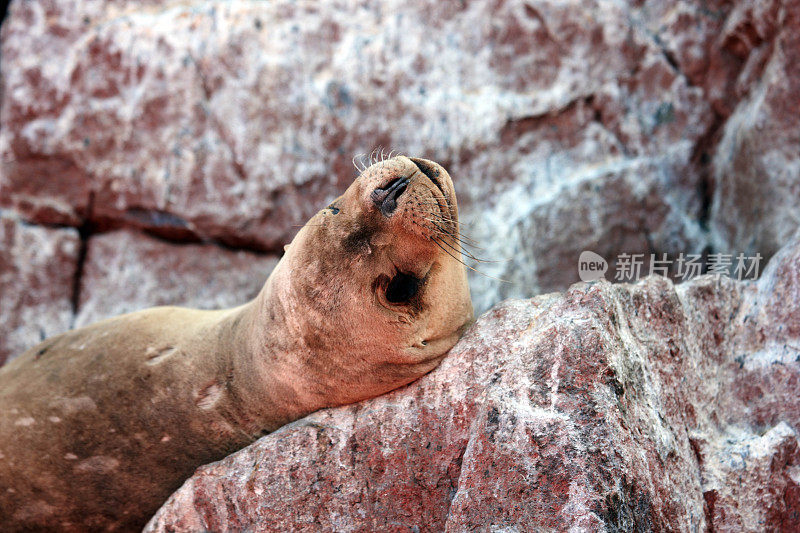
point(608, 407)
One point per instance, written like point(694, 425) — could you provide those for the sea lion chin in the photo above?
point(99, 425)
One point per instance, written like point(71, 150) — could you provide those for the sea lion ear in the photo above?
point(286, 247)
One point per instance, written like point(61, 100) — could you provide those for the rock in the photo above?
point(739, 53)
point(125, 271)
point(37, 277)
point(617, 127)
point(566, 126)
point(740, 466)
point(608, 407)
point(756, 163)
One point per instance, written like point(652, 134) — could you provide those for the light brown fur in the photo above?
point(99, 425)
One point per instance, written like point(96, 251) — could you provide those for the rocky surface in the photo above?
point(756, 165)
point(616, 126)
point(120, 271)
point(606, 408)
point(37, 277)
point(191, 275)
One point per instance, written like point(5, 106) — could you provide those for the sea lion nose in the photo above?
point(385, 198)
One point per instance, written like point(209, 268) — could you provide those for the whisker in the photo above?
point(467, 253)
point(426, 201)
point(466, 265)
point(444, 233)
point(436, 218)
point(455, 235)
point(461, 237)
point(360, 157)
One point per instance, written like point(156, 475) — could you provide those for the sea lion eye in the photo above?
point(401, 288)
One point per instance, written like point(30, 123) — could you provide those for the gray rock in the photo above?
point(125, 271)
point(37, 277)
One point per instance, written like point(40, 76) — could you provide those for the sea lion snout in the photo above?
point(385, 197)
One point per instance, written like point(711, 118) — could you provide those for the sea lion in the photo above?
point(101, 424)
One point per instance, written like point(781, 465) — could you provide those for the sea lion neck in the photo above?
point(262, 395)
point(278, 359)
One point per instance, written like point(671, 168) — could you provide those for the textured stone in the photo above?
point(740, 53)
point(757, 161)
point(740, 467)
point(125, 271)
point(619, 127)
point(37, 275)
point(609, 407)
point(564, 124)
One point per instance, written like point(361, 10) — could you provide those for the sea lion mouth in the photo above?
point(431, 172)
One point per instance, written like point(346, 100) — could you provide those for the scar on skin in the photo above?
point(97, 464)
point(209, 395)
point(71, 406)
point(156, 356)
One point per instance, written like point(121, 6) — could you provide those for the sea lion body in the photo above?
point(101, 424)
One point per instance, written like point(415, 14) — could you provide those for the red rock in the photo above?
point(740, 468)
point(37, 273)
point(583, 410)
point(756, 164)
point(236, 122)
point(594, 128)
point(624, 407)
point(739, 53)
point(125, 271)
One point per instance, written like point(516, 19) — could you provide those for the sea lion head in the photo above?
point(372, 289)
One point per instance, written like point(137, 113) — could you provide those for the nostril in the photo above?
point(385, 198)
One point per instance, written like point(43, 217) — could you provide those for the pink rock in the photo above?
point(739, 53)
point(623, 407)
point(751, 482)
point(125, 271)
point(37, 277)
point(756, 164)
point(566, 127)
